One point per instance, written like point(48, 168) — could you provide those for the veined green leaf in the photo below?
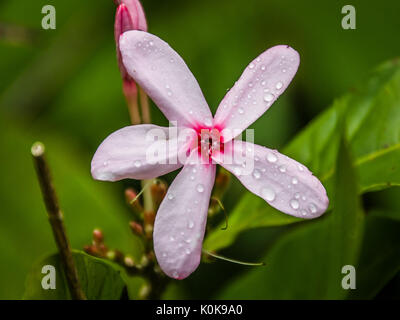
point(371, 117)
point(99, 279)
point(309, 260)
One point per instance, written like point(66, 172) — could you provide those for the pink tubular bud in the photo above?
point(130, 16)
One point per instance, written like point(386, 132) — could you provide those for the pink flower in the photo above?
point(181, 219)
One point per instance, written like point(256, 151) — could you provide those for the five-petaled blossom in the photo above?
point(181, 218)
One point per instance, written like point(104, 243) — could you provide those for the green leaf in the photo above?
point(251, 212)
point(306, 263)
point(380, 255)
point(99, 279)
point(371, 117)
point(372, 114)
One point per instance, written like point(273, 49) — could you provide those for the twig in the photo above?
point(56, 220)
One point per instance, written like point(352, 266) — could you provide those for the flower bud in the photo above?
point(129, 16)
point(130, 195)
point(136, 228)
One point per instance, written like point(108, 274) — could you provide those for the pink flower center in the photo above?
point(209, 143)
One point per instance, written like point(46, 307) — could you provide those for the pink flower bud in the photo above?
point(130, 16)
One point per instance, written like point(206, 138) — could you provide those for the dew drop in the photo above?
point(175, 274)
point(282, 169)
point(171, 60)
point(240, 110)
point(263, 67)
point(256, 174)
point(251, 66)
point(237, 171)
point(188, 240)
point(164, 254)
point(250, 84)
point(200, 188)
point(170, 196)
point(269, 97)
point(105, 163)
point(208, 122)
point(294, 204)
point(312, 208)
point(271, 157)
point(303, 212)
point(187, 251)
point(138, 164)
point(190, 224)
point(284, 70)
point(263, 83)
point(279, 85)
point(295, 181)
point(171, 238)
point(297, 195)
point(301, 168)
point(192, 178)
point(268, 194)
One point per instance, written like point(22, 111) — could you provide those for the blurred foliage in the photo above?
point(63, 87)
point(98, 278)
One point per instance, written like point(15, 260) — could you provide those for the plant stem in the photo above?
point(56, 220)
point(144, 103)
point(146, 118)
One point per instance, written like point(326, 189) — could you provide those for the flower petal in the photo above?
point(163, 74)
point(181, 219)
point(261, 83)
point(141, 152)
point(284, 183)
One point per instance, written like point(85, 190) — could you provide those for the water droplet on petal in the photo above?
point(269, 97)
point(164, 254)
point(256, 174)
point(312, 208)
point(187, 251)
point(105, 163)
point(240, 110)
point(279, 85)
point(170, 196)
point(171, 238)
point(303, 212)
point(295, 181)
point(301, 168)
point(200, 188)
point(251, 66)
point(171, 60)
point(188, 240)
point(190, 224)
point(297, 195)
point(268, 194)
point(237, 171)
point(282, 169)
point(294, 204)
point(137, 164)
point(263, 67)
point(175, 274)
point(208, 122)
point(271, 157)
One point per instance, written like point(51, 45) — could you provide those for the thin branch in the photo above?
point(56, 220)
